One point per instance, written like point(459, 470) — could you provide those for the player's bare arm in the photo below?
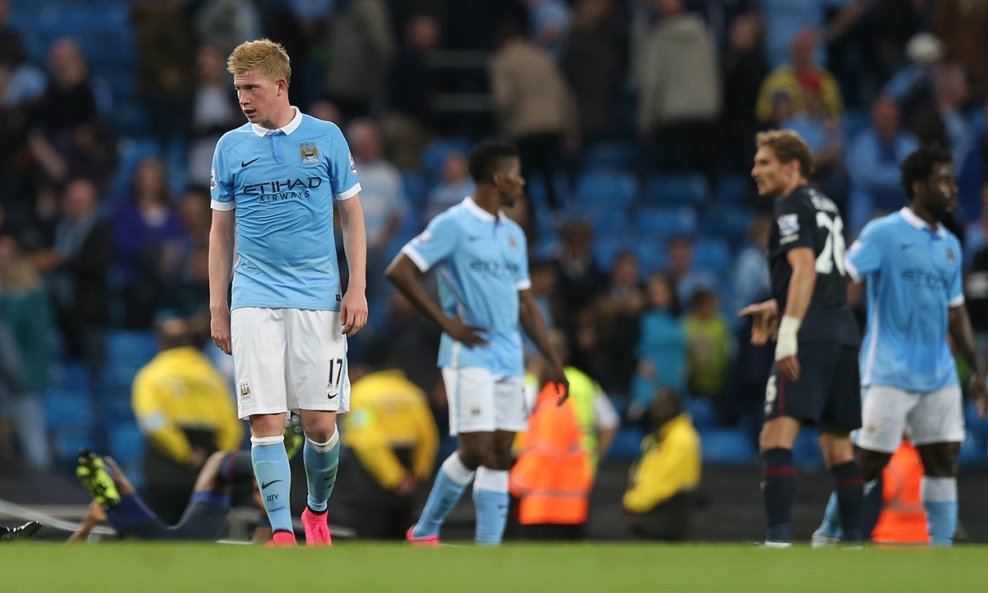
point(800, 292)
point(963, 337)
point(220, 267)
point(407, 278)
point(353, 309)
point(764, 321)
point(531, 320)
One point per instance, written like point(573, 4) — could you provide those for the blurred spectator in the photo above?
point(548, 24)
point(148, 235)
point(545, 282)
point(593, 63)
point(77, 267)
point(413, 81)
point(382, 198)
point(824, 134)
point(942, 120)
point(661, 348)
point(392, 438)
point(580, 279)
point(21, 82)
point(226, 23)
point(810, 88)
point(535, 107)
point(976, 233)
point(560, 449)
point(327, 111)
point(912, 85)
point(26, 316)
point(743, 69)
point(708, 344)
point(976, 296)
point(679, 89)
point(750, 282)
point(89, 151)
point(973, 174)
point(166, 43)
point(186, 412)
point(214, 111)
point(616, 315)
point(873, 164)
point(69, 101)
point(361, 43)
point(195, 213)
point(456, 185)
point(679, 266)
point(660, 498)
point(785, 18)
point(963, 26)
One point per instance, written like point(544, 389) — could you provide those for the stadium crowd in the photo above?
point(635, 125)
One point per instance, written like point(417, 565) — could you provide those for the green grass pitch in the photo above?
point(514, 568)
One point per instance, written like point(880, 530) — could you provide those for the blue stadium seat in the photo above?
point(690, 188)
point(68, 408)
point(806, 450)
point(127, 351)
point(627, 444)
point(599, 190)
point(974, 449)
point(854, 121)
point(728, 222)
point(72, 376)
point(67, 443)
point(732, 189)
point(413, 183)
point(652, 256)
point(605, 249)
point(607, 223)
point(660, 223)
point(132, 152)
point(435, 154)
point(127, 446)
point(701, 410)
point(712, 254)
point(726, 445)
point(611, 156)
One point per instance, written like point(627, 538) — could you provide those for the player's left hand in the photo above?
point(353, 312)
point(789, 368)
point(979, 393)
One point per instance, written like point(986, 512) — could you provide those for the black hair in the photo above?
point(919, 165)
point(488, 157)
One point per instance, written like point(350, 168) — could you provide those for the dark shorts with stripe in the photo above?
point(828, 392)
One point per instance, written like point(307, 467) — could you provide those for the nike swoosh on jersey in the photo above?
point(266, 484)
point(246, 163)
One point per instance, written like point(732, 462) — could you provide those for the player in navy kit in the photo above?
point(815, 376)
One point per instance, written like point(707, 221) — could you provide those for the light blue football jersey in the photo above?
point(481, 264)
point(282, 184)
point(914, 277)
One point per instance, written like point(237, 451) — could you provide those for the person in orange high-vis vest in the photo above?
point(903, 518)
point(553, 474)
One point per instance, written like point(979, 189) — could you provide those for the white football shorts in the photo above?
point(289, 359)
point(888, 413)
point(480, 401)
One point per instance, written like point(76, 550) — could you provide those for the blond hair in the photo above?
point(263, 57)
point(788, 146)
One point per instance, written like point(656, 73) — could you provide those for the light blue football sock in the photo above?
point(274, 478)
point(490, 497)
point(451, 481)
point(321, 462)
point(940, 501)
point(831, 527)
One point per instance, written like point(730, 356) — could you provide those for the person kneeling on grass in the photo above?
point(116, 501)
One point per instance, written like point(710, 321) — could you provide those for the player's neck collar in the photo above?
point(287, 129)
point(479, 212)
point(918, 222)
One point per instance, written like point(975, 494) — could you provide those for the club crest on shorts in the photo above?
point(309, 153)
point(244, 391)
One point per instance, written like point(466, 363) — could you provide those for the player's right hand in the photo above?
point(764, 318)
point(463, 333)
point(219, 329)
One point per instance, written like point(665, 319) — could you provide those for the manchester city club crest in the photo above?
point(309, 152)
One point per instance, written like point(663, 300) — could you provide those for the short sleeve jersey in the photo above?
point(481, 263)
point(282, 185)
point(914, 278)
point(807, 218)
